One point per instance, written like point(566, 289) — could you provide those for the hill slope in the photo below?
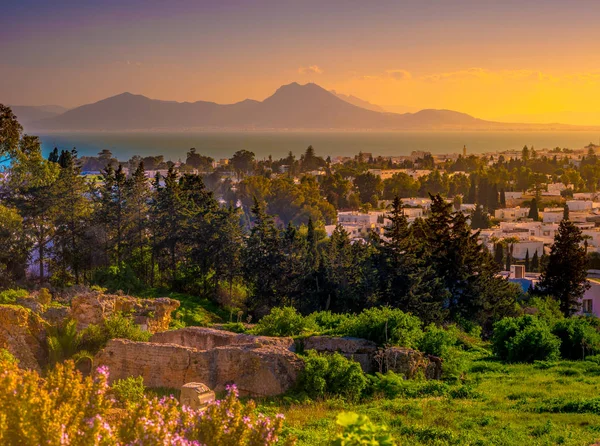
point(292, 106)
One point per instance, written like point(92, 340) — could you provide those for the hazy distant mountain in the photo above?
point(292, 106)
point(358, 102)
point(31, 113)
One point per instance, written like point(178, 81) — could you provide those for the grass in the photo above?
point(194, 310)
point(518, 404)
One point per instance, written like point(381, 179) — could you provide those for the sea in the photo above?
point(175, 145)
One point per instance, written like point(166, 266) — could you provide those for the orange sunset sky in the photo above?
point(527, 61)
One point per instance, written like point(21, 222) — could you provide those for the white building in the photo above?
point(511, 214)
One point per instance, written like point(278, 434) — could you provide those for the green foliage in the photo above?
point(331, 374)
point(358, 430)
point(10, 296)
point(117, 326)
point(436, 341)
point(63, 341)
point(326, 320)
point(236, 327)
point(547, 307)
point(384, 326)
point(117, 277)
point(578, 337)
point(129, 390)
point(524, 339)
point(284, 321)
point(7, 357)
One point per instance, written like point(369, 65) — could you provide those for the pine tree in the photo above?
point(467, 269)
point(262, 260)
point(566, 212)
point(564, 275)
point(406, 282)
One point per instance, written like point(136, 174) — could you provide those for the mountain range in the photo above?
point(291, 107)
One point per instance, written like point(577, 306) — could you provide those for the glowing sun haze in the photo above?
point(527, 60)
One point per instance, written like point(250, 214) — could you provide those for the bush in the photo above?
point(547, 307)
point(66, 408)
point(327, 320)
point(331, 374)
point(7, 357)
point(284, 321)
point(10, 296)
point(436, 341)
point(392, 385)
point(359, 430)
point(236, 327)
point(117, 326)
point(384, 326)
point(117, 277)
point(129, 390)
point(524, 339)
point(577, 337)
point(63, 341)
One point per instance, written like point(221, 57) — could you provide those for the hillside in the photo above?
point(292, 106)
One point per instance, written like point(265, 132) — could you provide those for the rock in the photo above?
point(196, 395)
point(153, 315)
point(203, 338)
point(56, 315)
point(31, 303)
point(23, 333)
point(256, 370)
point(408, 362)
point(360, 350)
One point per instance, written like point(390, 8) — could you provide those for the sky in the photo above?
point(527, 60)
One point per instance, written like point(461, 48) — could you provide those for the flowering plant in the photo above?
point(64, 408)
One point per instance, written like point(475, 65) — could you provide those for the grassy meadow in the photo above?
point(539, 404)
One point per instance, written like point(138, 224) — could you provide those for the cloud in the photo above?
point(313, 69)
point(399, 75)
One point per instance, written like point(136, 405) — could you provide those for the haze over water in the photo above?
point(174, 146)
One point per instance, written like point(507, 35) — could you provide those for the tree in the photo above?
point(369, 186)
point(243, 162)
point(533, 210)
point(535, 262)
point(502, 198)
point(499, 255)
point(527, 260)
point(479, 218)
point(467, 269)
point(564, 276)
point(566, 212)
point(262, 259)
point(406, 282)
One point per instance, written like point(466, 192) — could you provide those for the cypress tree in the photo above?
point(533, 210)
point(535, 262)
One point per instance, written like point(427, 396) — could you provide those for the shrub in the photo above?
point(359, 430)
point(327, 320)
point(548, 308)
point(117, 277)
point(392, 385)
point(65, 408)
point(284, 321)
point(577, 337)
point(384, 326)
point(7, 357)
point(10, 296)
point(95, 337)
point(236, 327)
point(436, 341)
point(44, 296)
point(524, 339)
point(63, 341)
point(129, 390)
point(331, 374)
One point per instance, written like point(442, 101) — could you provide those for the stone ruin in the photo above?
point(258, 365)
